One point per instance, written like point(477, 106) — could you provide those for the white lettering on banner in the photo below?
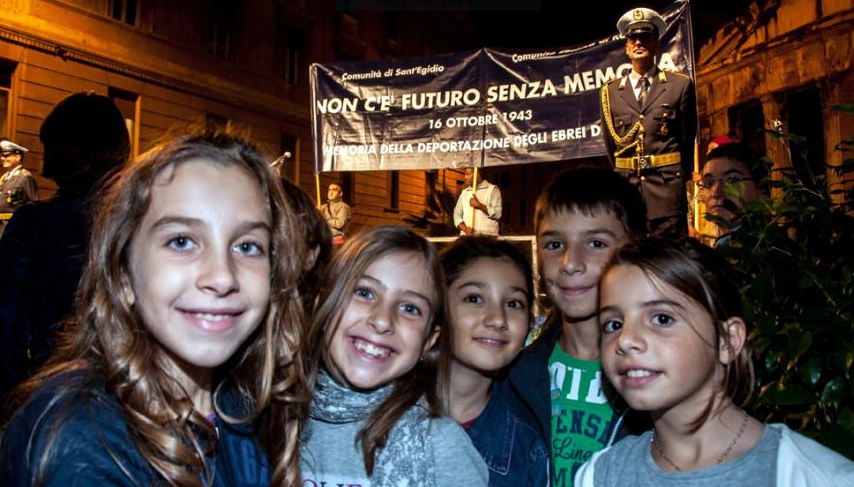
point(472, 121)
point(516, 141)
point(572, 83)
point(463, 145)
point(569, 134)
point(337, 105)
point(349, 150)
point(593, 80)
point(528, 57)
point(496, 106)
point(397, 149)
point(534, 89)
point(369, 75)
point(422, 70)
point(384, 101)
point(439, 99)
point(530, 139)
point(603, 77)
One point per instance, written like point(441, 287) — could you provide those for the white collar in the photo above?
point(634, 77)
point(482, 183)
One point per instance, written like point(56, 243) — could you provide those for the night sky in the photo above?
point(558, 25)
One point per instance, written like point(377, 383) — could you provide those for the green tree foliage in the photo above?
point(795, 257)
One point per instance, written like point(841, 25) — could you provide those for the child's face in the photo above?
point(657, 344)
point(488, 314)
point(572, 249)
point(199, 262)
point(385, 326)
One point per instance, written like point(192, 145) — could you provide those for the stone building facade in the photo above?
point(786, 60)
point(244, 62)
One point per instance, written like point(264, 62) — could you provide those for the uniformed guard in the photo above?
point(649, 123)
point(17, 185)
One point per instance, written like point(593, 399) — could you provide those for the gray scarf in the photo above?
point(406, 459)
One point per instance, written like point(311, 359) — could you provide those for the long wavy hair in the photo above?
point(348, 265)
point(109, 340)
point(705, 277)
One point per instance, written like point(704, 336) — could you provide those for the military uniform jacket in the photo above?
point(669, 120)
point(17, 186)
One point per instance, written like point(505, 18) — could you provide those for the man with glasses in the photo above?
point(729, 182)
point(17, 185)
point(649, 122)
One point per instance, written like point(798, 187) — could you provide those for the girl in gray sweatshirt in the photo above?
point(375, 418)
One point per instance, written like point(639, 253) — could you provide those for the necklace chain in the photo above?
point(654, 441)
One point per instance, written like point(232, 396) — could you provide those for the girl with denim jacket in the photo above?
point(489, 291)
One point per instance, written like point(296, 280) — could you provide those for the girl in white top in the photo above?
point(673, 344)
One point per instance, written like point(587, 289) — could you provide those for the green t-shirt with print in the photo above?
point(581, 415)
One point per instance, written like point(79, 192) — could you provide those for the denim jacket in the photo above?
point(512, 449)
point(526, 389)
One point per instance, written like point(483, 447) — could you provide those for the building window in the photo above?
point(126, 11)
point(6, 72)
point(221, 27)
point(128, 104)
point(393, 30)
point(289, 150)
point(393, 190)
point(294, 53)
point(747, 123)
point(348, 187)
point(803, 114)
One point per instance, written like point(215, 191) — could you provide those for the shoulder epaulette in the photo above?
point(677, 74)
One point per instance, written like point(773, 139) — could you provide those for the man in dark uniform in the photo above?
point(17, 185)
point(649, 121)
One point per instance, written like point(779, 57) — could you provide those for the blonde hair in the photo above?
point(109, 340)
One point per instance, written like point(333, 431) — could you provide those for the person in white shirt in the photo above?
point(478, 212)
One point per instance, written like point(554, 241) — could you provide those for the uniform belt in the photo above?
point(5, 216)
point(647, 162)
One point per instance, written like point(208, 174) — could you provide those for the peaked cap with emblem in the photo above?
point(7, 146)
point(641, 20)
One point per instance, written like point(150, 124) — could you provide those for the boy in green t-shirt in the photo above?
point(580, 218)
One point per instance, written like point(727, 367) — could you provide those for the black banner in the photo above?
point(487, 107)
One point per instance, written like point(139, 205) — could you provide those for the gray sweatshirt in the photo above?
point(331, 457)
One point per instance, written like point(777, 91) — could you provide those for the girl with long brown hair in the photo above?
point(375, 415)
point(185, 334)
